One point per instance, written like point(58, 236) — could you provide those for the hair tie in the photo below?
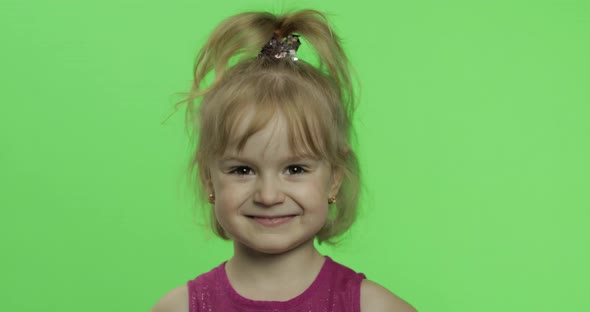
point(277, 49)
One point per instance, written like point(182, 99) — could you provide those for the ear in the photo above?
point(336, 181)
point(207, 182)
point(209, 187)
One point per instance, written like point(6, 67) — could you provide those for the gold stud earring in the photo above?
point(331, 200)
point(211, 198)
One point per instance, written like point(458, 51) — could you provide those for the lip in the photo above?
point(272, 221)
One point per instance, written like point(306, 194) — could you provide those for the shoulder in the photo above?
point(376, 298)
point(175, 300)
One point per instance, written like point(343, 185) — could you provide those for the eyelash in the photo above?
point(239, 170)
point(299, 167)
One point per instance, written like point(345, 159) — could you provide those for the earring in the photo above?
point(211, 198)
point(331, 200)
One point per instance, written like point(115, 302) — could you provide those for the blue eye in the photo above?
point(241, 170)
point(295, 169)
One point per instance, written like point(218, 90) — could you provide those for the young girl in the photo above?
point(275, 161)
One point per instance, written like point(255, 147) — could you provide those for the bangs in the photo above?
point(252, 103)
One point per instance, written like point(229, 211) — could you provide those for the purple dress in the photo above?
point(336, 288)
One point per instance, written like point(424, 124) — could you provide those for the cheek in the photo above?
point(320, 187)
point(312, 195)
point(230, 195)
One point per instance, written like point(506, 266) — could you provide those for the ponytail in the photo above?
point(245, 34)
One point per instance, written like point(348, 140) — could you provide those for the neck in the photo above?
point(260, 276)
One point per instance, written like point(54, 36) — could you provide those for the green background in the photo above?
point(473, 135)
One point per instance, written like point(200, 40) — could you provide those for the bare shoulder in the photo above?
point(376, 298)
point(175, 300)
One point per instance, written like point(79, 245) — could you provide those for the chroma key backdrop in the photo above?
point(473, 132)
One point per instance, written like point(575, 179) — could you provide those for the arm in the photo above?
point(175, 300)
point(375, 298)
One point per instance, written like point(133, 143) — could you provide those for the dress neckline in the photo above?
point(267, 304)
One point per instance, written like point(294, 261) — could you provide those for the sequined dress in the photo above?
point(336, 288)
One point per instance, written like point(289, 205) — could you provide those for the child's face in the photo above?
point(268, 200)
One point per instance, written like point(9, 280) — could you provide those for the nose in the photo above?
point(268, 191)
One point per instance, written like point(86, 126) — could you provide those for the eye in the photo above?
point(295, 169)
point(241, 170)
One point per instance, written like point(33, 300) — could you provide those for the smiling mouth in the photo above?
point(272, 221)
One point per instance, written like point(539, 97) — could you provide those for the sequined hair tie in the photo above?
point(280, 49)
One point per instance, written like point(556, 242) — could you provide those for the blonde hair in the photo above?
point(317, 102)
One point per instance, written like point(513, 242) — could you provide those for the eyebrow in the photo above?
point(293, 159)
